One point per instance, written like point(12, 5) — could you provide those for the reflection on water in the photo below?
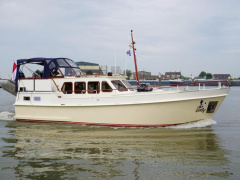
point(63, 151)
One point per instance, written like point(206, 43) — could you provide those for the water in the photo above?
point(208, 149)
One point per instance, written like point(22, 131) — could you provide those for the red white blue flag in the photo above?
point(14, 71)
point(129, 52)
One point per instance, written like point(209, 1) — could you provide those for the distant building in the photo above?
point(143, 75)
point(104, 69)
point(172, 75)
point(221, 76)
point(118, 70)
point(89, 68)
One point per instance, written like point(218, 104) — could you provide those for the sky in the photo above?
point(171, 35)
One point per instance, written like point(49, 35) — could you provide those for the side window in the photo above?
point(93, 87)
point(212, 106)
point(119, 85)
point(80, 87)
point(67, 88)
point(106, 87)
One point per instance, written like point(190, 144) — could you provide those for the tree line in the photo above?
point(203, 74)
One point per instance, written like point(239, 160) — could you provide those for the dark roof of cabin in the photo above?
point(39, 60)
point(172, 73)
point(221, 75)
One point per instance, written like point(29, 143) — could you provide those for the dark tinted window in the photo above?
point(106, 87)
point(67, 88)
point(80, 87)
point(212, 106)
point(93, 87)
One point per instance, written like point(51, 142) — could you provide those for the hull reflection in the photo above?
point(85, 151)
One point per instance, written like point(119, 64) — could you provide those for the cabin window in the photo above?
point(26, 98)
point(106, 87)
point(119, 85)
point(67, 88)
point(52, 65)
point(80, 87)
point(212, 106)
point(93, 87)
point(128, 85)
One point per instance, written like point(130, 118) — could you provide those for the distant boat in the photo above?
point(176, 81)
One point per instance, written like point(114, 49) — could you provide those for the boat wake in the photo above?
point(7, 116)
point(198, 124)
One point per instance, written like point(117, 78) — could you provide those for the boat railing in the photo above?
point(207, 83)
point(187, 86)
point(90, 75)
point(45, 85)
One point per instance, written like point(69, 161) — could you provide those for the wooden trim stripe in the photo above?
point(98, 124)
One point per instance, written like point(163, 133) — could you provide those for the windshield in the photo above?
point(128, 85)
point(77, 71)
point(119, 85)
point(61, 62)
point(71, 63)
point(67, 67)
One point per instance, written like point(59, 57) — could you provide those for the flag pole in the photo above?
point(126, 66)
point(115, 62)
point(135, 60)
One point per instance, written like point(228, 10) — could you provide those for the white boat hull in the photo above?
point(177, 110)
point(61, 93)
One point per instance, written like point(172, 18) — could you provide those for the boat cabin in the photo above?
point(63, 75)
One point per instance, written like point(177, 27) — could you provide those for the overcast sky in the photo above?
point(171, 35)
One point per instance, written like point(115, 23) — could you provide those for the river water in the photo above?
point(208, 149)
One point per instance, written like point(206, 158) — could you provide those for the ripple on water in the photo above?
point(198, 124)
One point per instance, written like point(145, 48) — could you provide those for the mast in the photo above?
point(135, 60)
